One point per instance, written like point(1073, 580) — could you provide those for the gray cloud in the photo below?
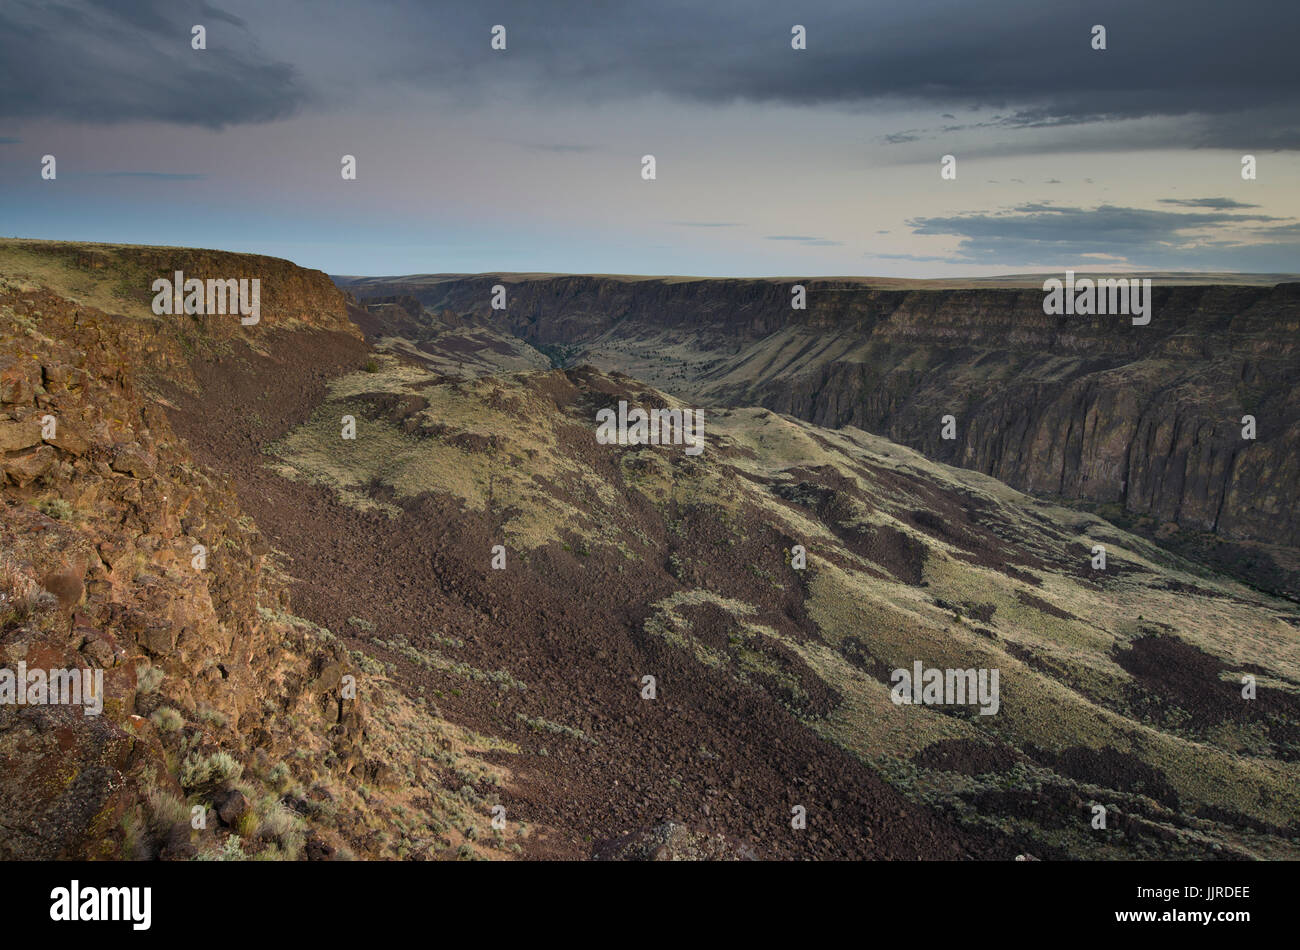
point(159, 176)
point(1220, 203)
point(917, 258)
point(564, 149)
point(1030, 61)
point(804, 239)
point(122, 60)
point(1227, 80)
point(1038, 233)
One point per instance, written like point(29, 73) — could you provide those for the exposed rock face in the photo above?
point(293, 295)
point(101, 520)
point(230, 727)
point(1091, 409)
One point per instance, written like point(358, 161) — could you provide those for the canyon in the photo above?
point(1140, 423)
point(431, 641)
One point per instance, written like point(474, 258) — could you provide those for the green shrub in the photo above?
point(148, 679)
point(133, 837)
point(232, 850)
point(167, 719)
point(278, 776)
point(56, 508)
point(214, 716)
point(205, 773)
point(164, 812)
point(247, 824)
point(281, 825)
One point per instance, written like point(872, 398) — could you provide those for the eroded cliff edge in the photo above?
point(224, 727)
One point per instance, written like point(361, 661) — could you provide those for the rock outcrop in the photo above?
point(229, 727)
point(122, 557)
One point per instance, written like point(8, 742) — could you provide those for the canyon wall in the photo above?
point(1086, 408)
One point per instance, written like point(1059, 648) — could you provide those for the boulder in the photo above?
point(19, 435)
point(132, 460)
point(25, 469)
point(232, 806)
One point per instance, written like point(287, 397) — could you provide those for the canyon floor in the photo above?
point(370, 560)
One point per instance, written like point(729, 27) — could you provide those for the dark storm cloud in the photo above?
point(1031, 61)
point(1227, 73)
point(121, 60)
point(1045, 234)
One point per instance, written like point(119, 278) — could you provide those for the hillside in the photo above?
point(215, 695)
point(1142, 424)
point(1118, 686)
point(500, 584)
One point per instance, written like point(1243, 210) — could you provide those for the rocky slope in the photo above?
point(1120, 686)
point(227, 727)
point(521, 682)
point(1143, 422)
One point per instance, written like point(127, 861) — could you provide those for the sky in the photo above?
point(769, 160)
